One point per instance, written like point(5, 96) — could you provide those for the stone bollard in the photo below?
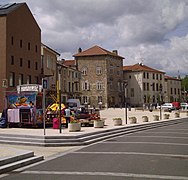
point(177, 114)
point(133, 120)
point(145, 119)
point(117, 121)
point(166, 116)
point(155, 117)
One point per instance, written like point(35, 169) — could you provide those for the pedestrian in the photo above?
point(67, 116)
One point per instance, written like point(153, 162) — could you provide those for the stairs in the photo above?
point(18, 161)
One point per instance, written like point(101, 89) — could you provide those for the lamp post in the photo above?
point(59, 93)
point(125, 95)
point(160, 91)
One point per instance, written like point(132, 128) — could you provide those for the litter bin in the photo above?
point(3, 122)
point(55, 123)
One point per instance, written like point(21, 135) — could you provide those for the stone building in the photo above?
point(145, 84)
point(20, 47)
point(172, 89)
point(70, 80)
point(102, 77)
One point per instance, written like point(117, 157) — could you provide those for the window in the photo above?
point(157, 87)
point(99, 99)
point(130, 77)
point(144, 86)
point(160, 76)
point(21, 44)
point(20, 79)
point(29, 46)
point(28, 79)
point(153, 85)
point(29, 64)
point(144, 75)
point(147, 75)
point(36, 80)
point(12, 79)
point(84, 71)
point(85, 85)
point(85, 99)
point(36, 49)
point(174, 90)
point(99, 85)
point(98, 70)
point(132, 92)
point(171, 91)
point(153, 76)
point(49, 62)
point(36, 66)
point(12, 60)
point(157, 76)
point(21, 62)
point(147, 86)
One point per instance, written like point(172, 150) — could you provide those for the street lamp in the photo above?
point(160, 91)
point(59, 92)
point(125, 86)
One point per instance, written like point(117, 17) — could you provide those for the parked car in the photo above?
point(176, 105)
point(184, 106)
point(167, 106)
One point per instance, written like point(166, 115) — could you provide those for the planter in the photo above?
point(98, 124)
point(72, 127)
point(132, 120)
point(145, 119)
point(166, 116)
point(155, 117)
point(117, 122)
point(177, 115)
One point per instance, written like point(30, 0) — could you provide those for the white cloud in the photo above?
point(149, 29)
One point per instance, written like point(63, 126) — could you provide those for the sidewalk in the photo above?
point(47, 152)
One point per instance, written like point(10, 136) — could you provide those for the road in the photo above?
point(160, 153)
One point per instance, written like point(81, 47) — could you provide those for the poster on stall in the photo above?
point(15, 100)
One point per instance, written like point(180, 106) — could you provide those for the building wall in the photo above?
point(140, 88)
point(22, 46)
point(100, 72)
point(173, 90)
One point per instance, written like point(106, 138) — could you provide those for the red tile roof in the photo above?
point(172, 78)
point(141, 67)
point(69, 62)
point(95, 51)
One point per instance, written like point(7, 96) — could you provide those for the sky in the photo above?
point(154, 32)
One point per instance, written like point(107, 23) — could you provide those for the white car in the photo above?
point(168, 106)
point(184, 106)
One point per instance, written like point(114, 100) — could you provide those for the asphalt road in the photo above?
point(160, 153)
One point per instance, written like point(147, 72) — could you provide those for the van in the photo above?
point(73, 104)
point(176, 105)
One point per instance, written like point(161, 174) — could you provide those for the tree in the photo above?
point(184, 83)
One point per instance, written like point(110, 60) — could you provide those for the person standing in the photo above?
point(67, 116)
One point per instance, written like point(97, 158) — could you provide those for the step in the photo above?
point(20, 163)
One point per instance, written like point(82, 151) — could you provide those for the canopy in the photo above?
point(55, 106)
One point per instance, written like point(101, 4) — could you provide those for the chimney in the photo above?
point(79, 50)
point(115, 52)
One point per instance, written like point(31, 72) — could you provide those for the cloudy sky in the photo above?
point(154, 32)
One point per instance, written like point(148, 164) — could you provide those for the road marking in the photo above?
point(166, 132)
point(156, 143)
point(135, 153)
point(168, 137)
point(150, 176)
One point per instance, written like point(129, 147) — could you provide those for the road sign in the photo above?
point(44, 84)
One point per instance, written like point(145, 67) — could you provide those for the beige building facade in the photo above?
point(102, 77)
point(20, 47)
point(172, 89)
point(145, 84)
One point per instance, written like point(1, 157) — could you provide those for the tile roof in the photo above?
point(96, 51)
point(172, 78)
point(8, 8)
point(69, 62)
point(141, 67)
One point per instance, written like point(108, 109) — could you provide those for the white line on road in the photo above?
point(168, 137)
point(135, 153)
point(156, 143)
point(150, 176)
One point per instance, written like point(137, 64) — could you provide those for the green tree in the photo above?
point(184, 83)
